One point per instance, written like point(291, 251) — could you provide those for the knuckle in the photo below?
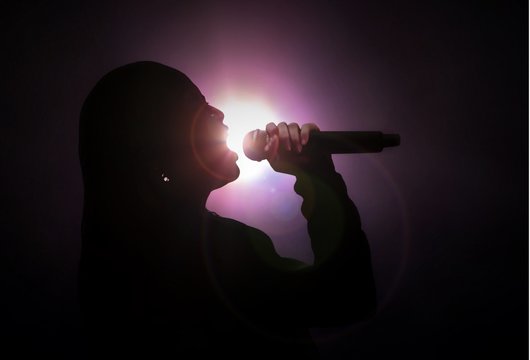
point(271, 127)
point(310, 126)
point(294, 128)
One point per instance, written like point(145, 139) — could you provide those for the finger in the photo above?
point(283, 132)
point(294, 134)
point(306, 130)
point(271, 129)
point(273, 147)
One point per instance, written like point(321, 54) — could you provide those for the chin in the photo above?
point(237, 172)
point(233, 174)
point(227, 176)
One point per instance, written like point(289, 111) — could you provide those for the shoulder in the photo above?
point(227, 224)
point(260, 243)
point(243, 234)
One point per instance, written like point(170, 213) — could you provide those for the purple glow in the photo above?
point(269, 204)
point(266, 201)
point(305, 73)
point(445, 213)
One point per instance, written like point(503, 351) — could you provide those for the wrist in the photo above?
point(317, 167)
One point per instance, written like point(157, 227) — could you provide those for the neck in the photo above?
point(188, 205)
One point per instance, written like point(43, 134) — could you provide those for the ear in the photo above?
point(157, 185)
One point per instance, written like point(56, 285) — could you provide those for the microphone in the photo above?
point(331, 142)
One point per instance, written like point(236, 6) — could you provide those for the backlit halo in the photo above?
point(241, 116)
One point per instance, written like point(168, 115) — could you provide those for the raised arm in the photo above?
point(338, 288)
point(342, 266)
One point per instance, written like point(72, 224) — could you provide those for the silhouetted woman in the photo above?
point(160, 274)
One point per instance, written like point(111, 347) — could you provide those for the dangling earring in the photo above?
point(165, 178)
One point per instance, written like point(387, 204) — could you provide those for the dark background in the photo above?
point(451, 78)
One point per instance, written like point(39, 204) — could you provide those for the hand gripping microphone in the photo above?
point(331, 142)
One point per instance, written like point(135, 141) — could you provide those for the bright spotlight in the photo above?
point(242, 116)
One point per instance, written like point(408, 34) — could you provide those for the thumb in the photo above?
point(272, 147)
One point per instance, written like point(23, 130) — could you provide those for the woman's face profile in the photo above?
point(209, 135)
point(145, 120)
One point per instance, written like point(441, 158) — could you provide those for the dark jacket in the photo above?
point(160, 279)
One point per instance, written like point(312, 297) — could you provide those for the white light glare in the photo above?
point(242, 116)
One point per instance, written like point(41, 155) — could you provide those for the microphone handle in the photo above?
point(351, 142)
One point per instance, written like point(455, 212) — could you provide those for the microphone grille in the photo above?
point(254, 145)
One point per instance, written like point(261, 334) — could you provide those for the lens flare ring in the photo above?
point(242, 116)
